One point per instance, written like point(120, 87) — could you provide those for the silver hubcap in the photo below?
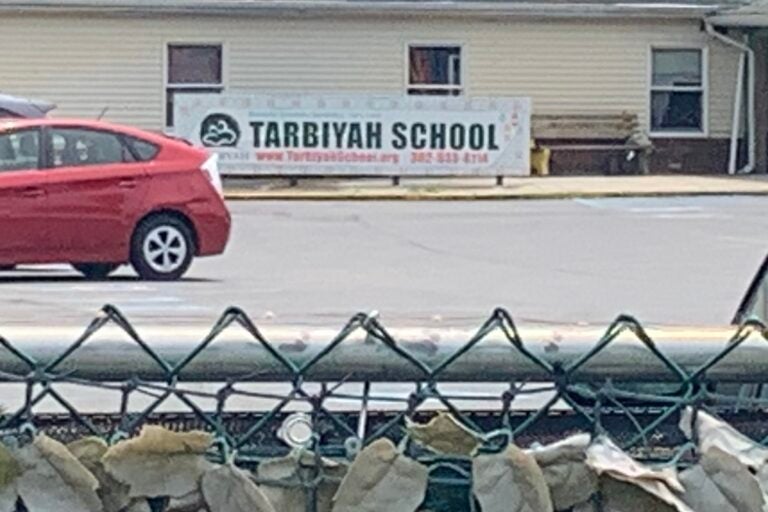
point(165, 249)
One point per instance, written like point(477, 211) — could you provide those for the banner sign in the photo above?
point(359, 135)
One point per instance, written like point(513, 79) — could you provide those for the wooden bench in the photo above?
point(592, 132)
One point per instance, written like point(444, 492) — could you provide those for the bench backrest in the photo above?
point(619, 126)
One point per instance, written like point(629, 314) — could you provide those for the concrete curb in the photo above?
point(406, 195)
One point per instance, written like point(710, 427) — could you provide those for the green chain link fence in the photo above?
point(641, 416)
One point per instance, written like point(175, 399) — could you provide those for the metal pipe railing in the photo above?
point(113, 350)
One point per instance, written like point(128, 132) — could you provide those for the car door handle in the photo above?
point(127, 183)
point(32, 192)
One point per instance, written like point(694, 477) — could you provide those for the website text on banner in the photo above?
point(359, 135)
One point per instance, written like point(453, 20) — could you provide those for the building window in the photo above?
point(677, 91)
point(434, 70)
point(192, 69)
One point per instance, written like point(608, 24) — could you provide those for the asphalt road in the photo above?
point(666, 260)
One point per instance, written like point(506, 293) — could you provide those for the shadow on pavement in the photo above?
point(54, 276)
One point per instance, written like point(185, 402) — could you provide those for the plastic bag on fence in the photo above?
point(713, 432)
point(510, 481)
point(565, 469)
point(295, 467)
point(444, 434)
point(720, 483)
point(230, 489)
point(192, 502)
point(160, 462)
point(10, 470)
point(656, 488)
point(139, 505)
point(9, 495)
point(382, 480)
point(54, 480)
point(90, 451)
point(619, 496)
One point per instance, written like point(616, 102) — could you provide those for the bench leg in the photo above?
point(643, 163)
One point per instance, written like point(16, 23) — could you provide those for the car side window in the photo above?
point(19, 150)
point(75, 147)
point(145, 151)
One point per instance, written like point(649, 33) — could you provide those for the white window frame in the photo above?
point(703, 89)
point(460, 87)
point(168, 86)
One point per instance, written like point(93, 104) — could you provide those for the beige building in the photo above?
point(688, 82)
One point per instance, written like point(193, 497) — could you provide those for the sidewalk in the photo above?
point(552, 187)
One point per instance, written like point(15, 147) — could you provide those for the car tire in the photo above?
point(95, 271)
point(162, 248)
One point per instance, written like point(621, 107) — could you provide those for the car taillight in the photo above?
point(211, 169)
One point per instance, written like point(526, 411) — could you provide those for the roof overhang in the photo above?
point(740, 20)
point(677, 10)
point(752, 15)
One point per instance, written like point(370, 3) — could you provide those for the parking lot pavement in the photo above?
point(666, 260)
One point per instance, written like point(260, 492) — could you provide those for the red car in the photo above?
point(98, 195)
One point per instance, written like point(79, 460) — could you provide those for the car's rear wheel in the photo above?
point(162, 248)
point(95, 271)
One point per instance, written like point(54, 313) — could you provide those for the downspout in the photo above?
point(736, 125)
point(749, 53)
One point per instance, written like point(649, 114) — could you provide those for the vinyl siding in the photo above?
point(87, 63)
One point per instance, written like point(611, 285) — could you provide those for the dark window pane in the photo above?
point(76, 147)
point(194, 64)
point(434, 92)
point(176, 90)
point(146, 151)
point(433, 65)
point(676, 111)
point(19, 151)
point(677, 68)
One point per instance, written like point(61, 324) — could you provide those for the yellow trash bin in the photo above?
point(539, 159)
